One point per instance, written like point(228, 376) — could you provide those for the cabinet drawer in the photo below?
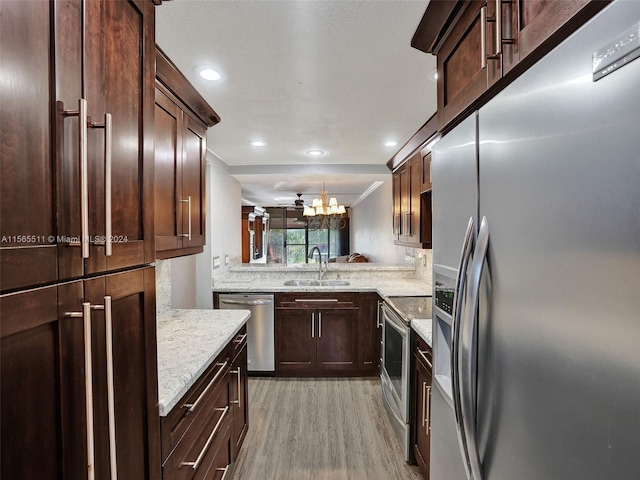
point(317, 300)
point(238, 342)
point(195, 451)
point(423, 353)
point(195, 405)
point(220, 466)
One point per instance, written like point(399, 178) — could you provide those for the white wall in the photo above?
point(191, 276)
point(371, 227)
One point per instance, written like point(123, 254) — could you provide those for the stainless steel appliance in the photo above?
point(395, 314)
point(536, 323)
point(260, 328)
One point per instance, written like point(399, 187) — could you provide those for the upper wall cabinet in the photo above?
point(483, 45)
point(181, 120)
point(77, 141)
point(411, 186)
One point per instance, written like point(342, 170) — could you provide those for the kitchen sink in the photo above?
point(315, 283)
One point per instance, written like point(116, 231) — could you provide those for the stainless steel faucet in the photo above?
point(321, 270)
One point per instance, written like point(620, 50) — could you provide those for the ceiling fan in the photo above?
point(299, 203)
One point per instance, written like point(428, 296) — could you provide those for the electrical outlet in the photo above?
point(216, 262)
point(226, 259)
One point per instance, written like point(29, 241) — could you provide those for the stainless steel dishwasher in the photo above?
point(260, 327)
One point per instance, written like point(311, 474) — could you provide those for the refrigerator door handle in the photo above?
point(468, 355)
point(460, 289)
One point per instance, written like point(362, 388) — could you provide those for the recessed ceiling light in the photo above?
point(258, 144)
point(207, 72)
point(390, 144)
point(315, 152)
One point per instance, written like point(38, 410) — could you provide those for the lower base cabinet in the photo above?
point(326, 334)
point(52, 404)
point(421, 427)
point(202, 434)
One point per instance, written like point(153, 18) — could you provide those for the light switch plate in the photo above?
point(216, 262)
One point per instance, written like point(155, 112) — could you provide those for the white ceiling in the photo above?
point(339, 75)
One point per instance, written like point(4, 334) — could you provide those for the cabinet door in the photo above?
point(463, 74)
point(422, 416)
point(239, 401)
point(337, 338)
point(135, 381)
point(29, 252)
point(119, 69)
point(425, 171)
point(193, 188)
point(42, 384)
point(529, 23)
point(413, 221)
point(295, 340)
point(168, 173)
point(405, 202)
point(369, 335)
point(397, 213)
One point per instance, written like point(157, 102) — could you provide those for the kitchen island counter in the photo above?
point(188, 342)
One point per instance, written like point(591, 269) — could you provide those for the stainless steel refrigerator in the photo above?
point(537, 321)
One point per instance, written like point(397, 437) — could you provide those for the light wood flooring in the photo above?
point(319, 429)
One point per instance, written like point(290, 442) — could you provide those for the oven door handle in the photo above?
point(393, 320)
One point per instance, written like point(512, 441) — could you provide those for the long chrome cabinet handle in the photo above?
point(313, 324)
point(498, 28)
point(237, 402)
point(88, 385)
point(460, 289)
point(226, 471)
point(110, 387)
point(468, 355)
point(427, 395)
point(196, 463)
point(379, 317)
point(108, 143)
point(424, 358)
point(483, 37)
point(319, 324)
point(194, 405)
point(81, 113)
point(424, 403)
point(188, 202)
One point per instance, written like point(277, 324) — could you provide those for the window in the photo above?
point(290, 238)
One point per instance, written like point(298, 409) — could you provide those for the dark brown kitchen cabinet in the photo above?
point(422, 381)
point(181, 120)
point(239, 393)
point(197, 441)
point(530, 24)
point(425, 170)
point(67, 199)
point(369, 334)
point(44, 386)
point(483, 45)
point(412, 225)
point(316, 334)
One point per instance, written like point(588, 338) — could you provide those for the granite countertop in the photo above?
point(422, 327)
point(387, 280)
point(384, 287)
point(188, 342)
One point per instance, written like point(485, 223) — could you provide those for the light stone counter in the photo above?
point(423, 328)
point(188, 342)
point(386, 287)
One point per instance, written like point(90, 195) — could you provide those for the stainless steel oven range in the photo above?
point(395, 314)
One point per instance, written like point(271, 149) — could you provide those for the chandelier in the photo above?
point(323, 214)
